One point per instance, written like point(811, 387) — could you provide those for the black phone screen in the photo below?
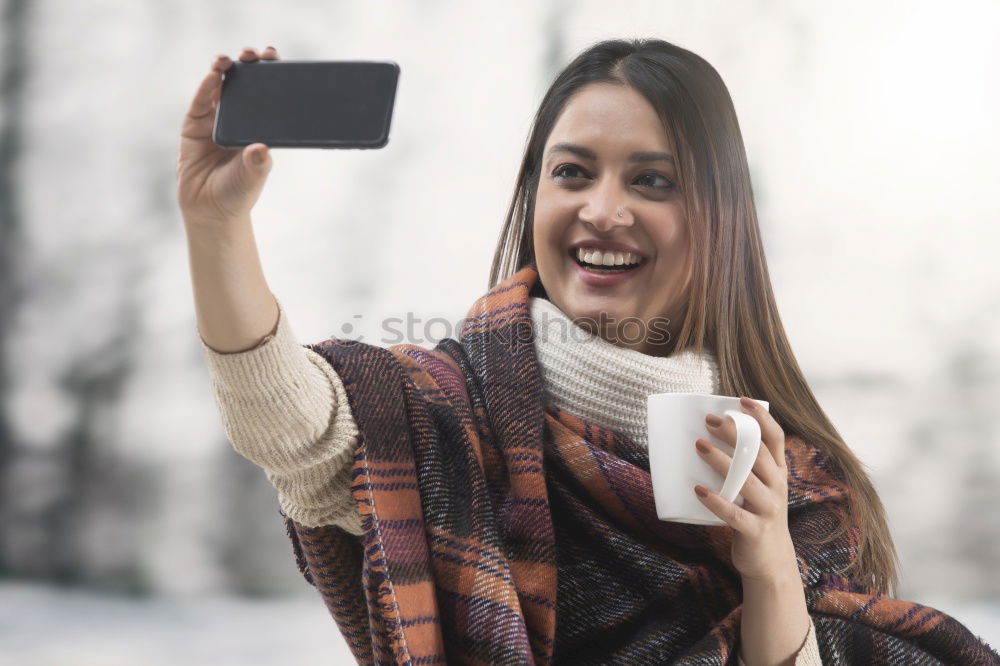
point(306, 104)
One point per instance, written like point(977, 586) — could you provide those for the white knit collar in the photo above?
point(604, 384)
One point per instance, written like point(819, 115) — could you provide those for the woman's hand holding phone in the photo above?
point(217, 187)
point(348, 104)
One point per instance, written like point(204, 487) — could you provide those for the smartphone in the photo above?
point(306, 104)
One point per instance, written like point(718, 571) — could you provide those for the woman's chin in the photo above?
point(604, 310)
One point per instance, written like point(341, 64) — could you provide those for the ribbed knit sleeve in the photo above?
point(808, 654)
point(284, 409)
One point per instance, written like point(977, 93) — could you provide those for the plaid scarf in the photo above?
point(499, 529)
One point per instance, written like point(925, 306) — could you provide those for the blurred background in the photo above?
point(132, 533)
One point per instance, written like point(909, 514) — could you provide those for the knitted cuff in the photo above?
point(808, 654)
point(279, 400)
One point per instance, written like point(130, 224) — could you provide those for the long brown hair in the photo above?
point(731, 308)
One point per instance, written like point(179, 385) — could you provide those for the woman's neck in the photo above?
point(607, 384)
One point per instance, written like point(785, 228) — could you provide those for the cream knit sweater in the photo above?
point(284, 408)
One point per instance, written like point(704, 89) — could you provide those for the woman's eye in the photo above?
point(667, 184)
point(560, 171)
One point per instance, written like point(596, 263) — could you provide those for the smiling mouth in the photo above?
point(601, 269)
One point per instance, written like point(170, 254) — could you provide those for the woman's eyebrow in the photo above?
point(587, 153)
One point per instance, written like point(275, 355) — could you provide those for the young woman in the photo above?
point(489, 500)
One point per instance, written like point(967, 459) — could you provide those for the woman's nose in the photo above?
point(602, 209)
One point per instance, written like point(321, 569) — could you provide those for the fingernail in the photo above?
point(713, 420)
point(702, 446)
point(747, 402)
point(701, 492)
point(258, 157)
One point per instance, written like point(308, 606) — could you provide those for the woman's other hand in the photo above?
point(218, 186)
point(762, 544)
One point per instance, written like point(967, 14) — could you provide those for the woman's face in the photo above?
point(608, 151)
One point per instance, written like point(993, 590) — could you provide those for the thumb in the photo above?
point(257, 157)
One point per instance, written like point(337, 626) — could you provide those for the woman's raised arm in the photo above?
point(216, 188)
point(282, 405)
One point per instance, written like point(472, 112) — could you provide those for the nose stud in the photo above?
point(621, 209)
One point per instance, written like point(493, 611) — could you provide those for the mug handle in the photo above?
point(747, 447)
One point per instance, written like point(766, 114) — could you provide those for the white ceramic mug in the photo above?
point(675, 421)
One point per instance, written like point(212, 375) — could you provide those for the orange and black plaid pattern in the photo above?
point(499, 529)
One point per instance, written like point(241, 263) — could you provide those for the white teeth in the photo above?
point(607, 257)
